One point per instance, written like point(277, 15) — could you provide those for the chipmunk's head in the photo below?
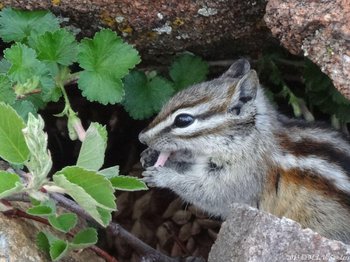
point(209, 116)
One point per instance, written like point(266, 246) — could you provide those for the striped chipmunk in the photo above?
point(221, 141)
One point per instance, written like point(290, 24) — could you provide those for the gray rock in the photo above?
point(252, 235)
point(17, 243)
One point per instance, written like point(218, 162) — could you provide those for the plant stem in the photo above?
point(72, 79)
point(65, 96)
point(118, 231)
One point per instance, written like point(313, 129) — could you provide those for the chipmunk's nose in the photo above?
point(143, 137)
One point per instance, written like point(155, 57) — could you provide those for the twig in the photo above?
point(147, 252)
point(118, 231)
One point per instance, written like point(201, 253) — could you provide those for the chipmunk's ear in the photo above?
point(238, 69)
point(245, 91)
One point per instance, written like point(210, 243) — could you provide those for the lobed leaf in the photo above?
point(59, 47)
point(105, 60)
point(58, 249)
point(145, 96)
point(18, 25)
point(187, 70)
point(4, 66)
point(40, 211)
point(85, 238)
point(42, 242)
point(12, 144)
point(29, 73)
point(64, 222)
point(45, 208)
point(23, 108)
point(7, 95)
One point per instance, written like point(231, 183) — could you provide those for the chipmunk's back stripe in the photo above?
point(184, 104)
point(314, 182)
point(277, 182)
point(323, 150)
point(290, 123)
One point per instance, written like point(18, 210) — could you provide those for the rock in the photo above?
point(252, 235)
point(17, 243)
point(318, 29)
point(215, 28)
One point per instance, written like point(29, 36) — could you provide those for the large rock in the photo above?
point(216, 28)
point(318, 29)
point(252, 235)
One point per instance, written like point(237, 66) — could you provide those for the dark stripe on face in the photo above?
point(205, 132)
point(246, 125)
point(163, 115)
point(309, 147)
point(221, 108)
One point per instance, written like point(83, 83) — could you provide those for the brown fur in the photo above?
point(296, 193)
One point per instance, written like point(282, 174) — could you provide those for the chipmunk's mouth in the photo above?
point(162, 158)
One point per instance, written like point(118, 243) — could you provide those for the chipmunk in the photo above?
point(220, 142)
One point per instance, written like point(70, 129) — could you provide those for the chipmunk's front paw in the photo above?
point(149, 157)
point(157, 176)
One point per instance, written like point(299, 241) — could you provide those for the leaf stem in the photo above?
point(72, 78)
point(66, 99)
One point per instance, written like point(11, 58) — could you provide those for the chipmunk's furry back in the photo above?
point(222, 142)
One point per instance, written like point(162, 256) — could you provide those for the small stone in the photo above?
point(181, 217)
point(185, 232)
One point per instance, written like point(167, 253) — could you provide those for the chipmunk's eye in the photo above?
point(183, 120)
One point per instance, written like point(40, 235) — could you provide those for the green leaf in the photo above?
point(85, 238)
point(23, 108)
point(16, 25)
point(322, 94)
point(9, 184)
point(109, 172)
point(12, 144)
point(188, 70)
point(90, 190)
point(37, 101)
point(101, 87)
point(92, 152)
point(40, 211)
point(53, 247)
point(58, 46)
point(64, 222)
point(42, 242)
point(105, 60)
point(4, 66)
point(128, 183)
point(7, 93)
point(34, 201)
point(143, 96)
point(58, 249)
point(40, 162)
point(29, 73)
